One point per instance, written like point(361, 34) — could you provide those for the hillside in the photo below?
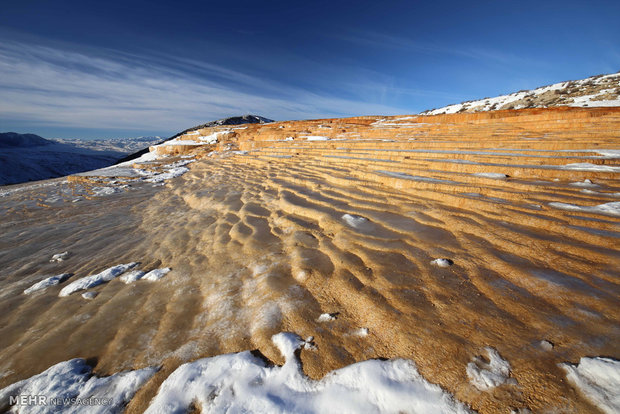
point(28, 157)
point(13, 139)
point(596, 91)
point(465, 261)
point(233, 120)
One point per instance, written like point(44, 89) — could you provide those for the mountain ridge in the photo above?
point(594, 91)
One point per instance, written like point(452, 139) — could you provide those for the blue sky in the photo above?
point(95, 69)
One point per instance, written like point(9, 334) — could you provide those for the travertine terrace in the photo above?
point(277, 224)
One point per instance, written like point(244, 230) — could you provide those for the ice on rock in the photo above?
point(243, 382)
point(95, 280)
point(45, 283)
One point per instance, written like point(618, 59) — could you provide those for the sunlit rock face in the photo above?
point(461, 242)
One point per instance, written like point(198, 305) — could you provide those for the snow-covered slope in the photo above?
point(601, 90)
point(28, 157)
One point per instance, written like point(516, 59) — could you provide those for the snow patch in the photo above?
point(442, 262)
point(242, 382)
point(156, 274)
point(611, 209)
point(104, 191)
point(132, 276)
point(95, 280)
point(89, 295)
point(586, 166)
point(495, 176)
point(59, 257)
point(599, 380)
point(486, 375)
point(315, 138)
point(74, 379)
point(361, 332)
point(584, 183)
point(169, 174)
point(45, 283)
point(327, 317)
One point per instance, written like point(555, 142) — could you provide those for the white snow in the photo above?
point(586, 166)
point(180, 142)
point(315, 138)
point(326, 317)
point(242, 382)
point(212, 138)
point(495, 176)
point(132, 276)
point(584, 183)
point(361, 332)
point(612, 209)
point(73, 379)
point(169, 174)
point(95, 280)
point(611, 153)
point(45, 283)
point(155, 275)
point(599, 380)
point(486, 375)
point(498, 102)
point(442, 262)
point(147, 157)
point(89, 295)
point(104, 191)
point(59, 257)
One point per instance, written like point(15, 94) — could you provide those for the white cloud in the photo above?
point(64, 88)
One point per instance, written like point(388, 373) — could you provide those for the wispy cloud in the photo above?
point(50, 86)
point(475, 52)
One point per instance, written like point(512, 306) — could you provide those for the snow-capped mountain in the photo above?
point(601, 90)
point(122, 145)
point(29, 157)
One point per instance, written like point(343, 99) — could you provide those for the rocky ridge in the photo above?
point(596, 91)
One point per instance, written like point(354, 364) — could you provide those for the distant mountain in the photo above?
point(122, 145)
point(601, 90)
point(29, 157)
point(233, 120)
point(13, 139)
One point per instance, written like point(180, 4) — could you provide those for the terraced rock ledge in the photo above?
point(332, 229)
